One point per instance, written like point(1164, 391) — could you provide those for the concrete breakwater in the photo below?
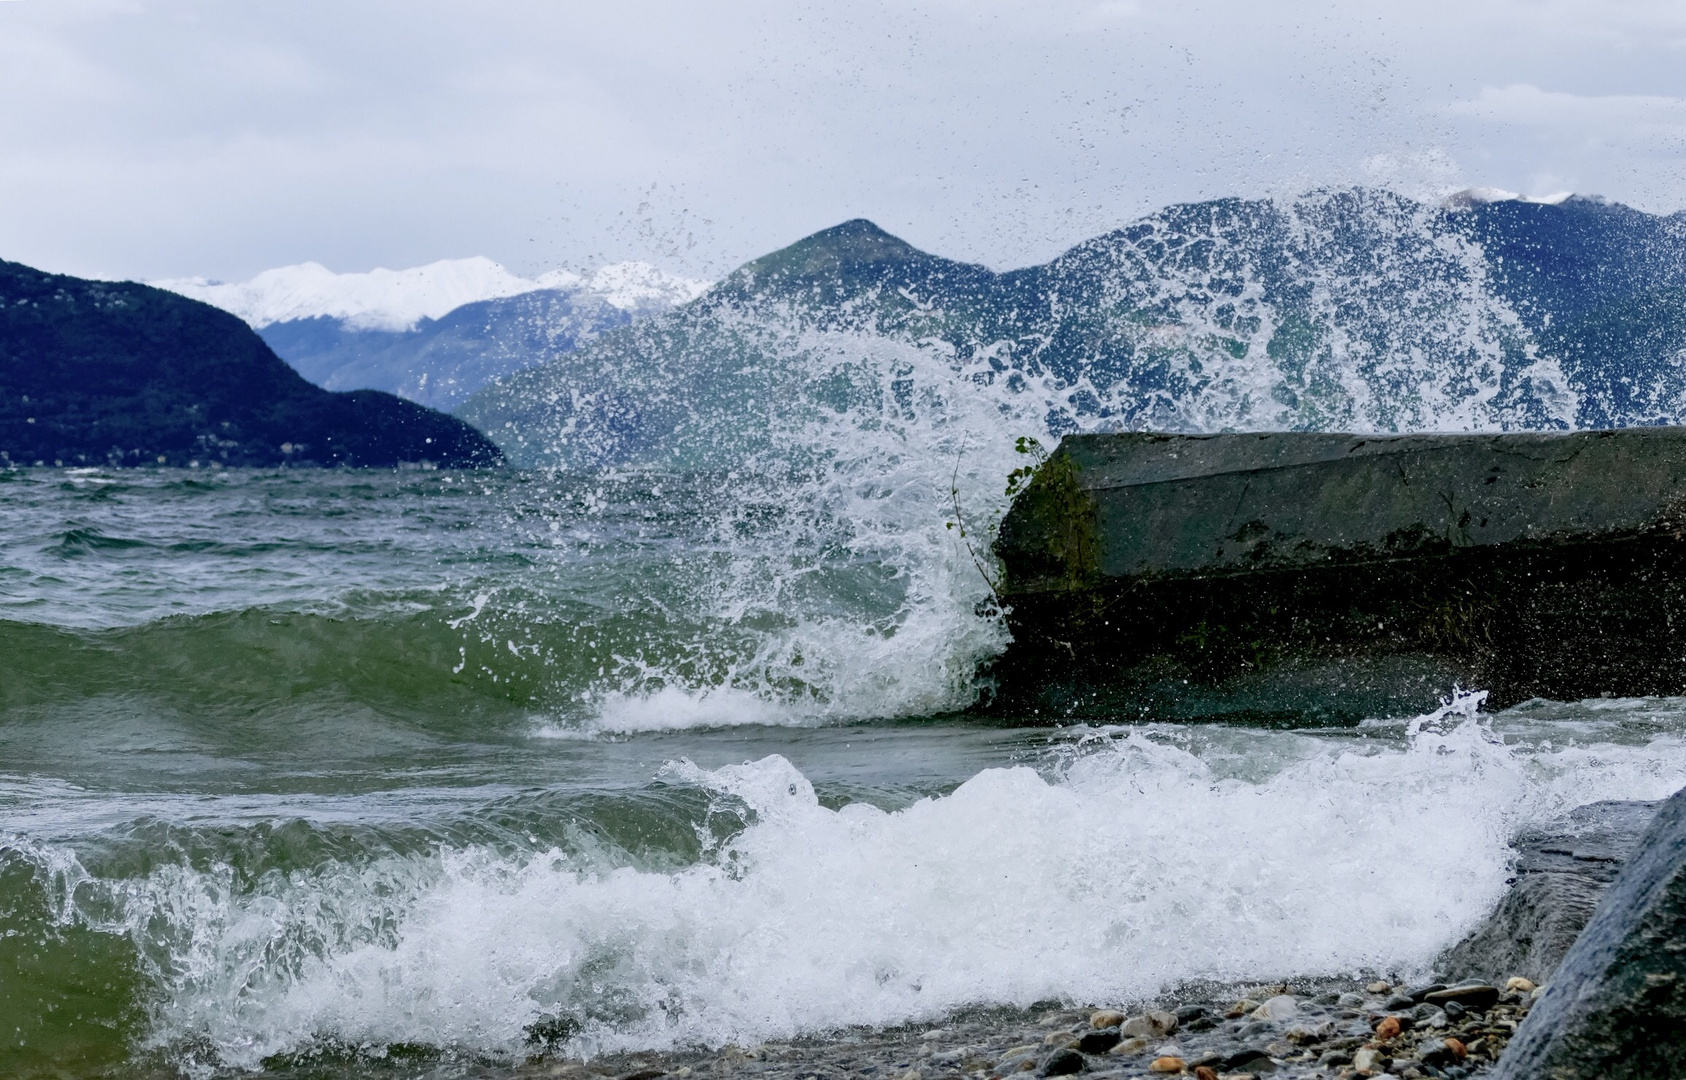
point(1303, 577)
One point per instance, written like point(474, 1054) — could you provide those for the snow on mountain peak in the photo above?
point(634, 285)
point(395, 300)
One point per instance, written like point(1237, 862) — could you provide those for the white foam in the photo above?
point(1150, 856)
point(673, 708)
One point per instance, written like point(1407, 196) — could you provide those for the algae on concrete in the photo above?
point(1302, 577)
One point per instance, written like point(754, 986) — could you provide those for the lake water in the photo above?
point(318, 772)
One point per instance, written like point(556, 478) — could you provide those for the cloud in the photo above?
point(1638, 115)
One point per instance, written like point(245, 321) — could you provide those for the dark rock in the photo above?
point(1561, 871)
point(1454, 1011)
point(1063, 1062)
point(1098, 1042)
point(1301, 578)
point(1437, 1052)
point(1478, 997)
point(1185, 1013)
point(1249, 1060)
point(1399, 1001)
point(1416, 994)
point(1616, 1007)
point(114, 373)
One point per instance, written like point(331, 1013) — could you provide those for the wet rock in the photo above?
point(1106, 1018)
point(1185, 1013)
point(1098, 1042)
point(1063, 1062)
point(1399, 1001)
point(1277, 1009)
point(1518, 984)
point(1561, 871)
point(1378, 987)
point(1060, 1040)
point(1440, 1052)
point(1368, 1062)
point(1204, 1072)
point(1167, 1064)
point(1416, 994)
point(1389, 1028)
point(1303, 1033)
point(1250, 1059)
point(1242, 1008)
point(1130, 1047)
point(1616, 1006)
point(1478, 997)
point(1155, 1024)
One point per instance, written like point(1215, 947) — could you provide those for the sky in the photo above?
point(218, 138)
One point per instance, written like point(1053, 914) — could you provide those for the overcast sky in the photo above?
point(190, 137)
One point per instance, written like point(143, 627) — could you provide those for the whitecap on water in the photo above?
point(1134, 859)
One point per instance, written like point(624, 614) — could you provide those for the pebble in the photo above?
point(1060, 1040)
point(1063, 1062)
point(1277, 1009)
point(1367, 1062)
point(1098, 1042)
point(1520, 985)
point(1151, 1025)
point(1378, 987)
point(1418, 993)
point(1242, 1008)
point(1167, 1065)
point(1107, 1018)
point(1129, 1046)
point(1204, 1072)
point(1477, 996)
point(1389, 1028)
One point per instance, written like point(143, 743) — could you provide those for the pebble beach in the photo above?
point(1312, 1030)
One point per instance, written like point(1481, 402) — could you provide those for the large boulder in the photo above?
point(1304, 576)
point(1616, 1007)
point(1562, 871)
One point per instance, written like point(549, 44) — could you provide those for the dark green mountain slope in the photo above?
point(107, 373)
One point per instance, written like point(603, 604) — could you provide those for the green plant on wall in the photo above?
point(1058, 513)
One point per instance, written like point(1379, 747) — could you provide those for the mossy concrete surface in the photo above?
point(1305, 577)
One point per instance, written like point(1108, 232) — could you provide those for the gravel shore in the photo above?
point(1314, 1029)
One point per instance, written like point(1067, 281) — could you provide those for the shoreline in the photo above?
point(1313, 1028)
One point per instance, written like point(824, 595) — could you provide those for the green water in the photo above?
point(341, 774)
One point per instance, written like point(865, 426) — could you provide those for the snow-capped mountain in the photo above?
point(396, 300)
point(435, 333)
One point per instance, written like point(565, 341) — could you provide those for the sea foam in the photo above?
point(1128, 861)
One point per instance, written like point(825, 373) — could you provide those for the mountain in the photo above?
point(435, 333)
point(117, 373)
point(1351, 309)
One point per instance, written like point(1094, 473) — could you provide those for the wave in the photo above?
point(1134, 859)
